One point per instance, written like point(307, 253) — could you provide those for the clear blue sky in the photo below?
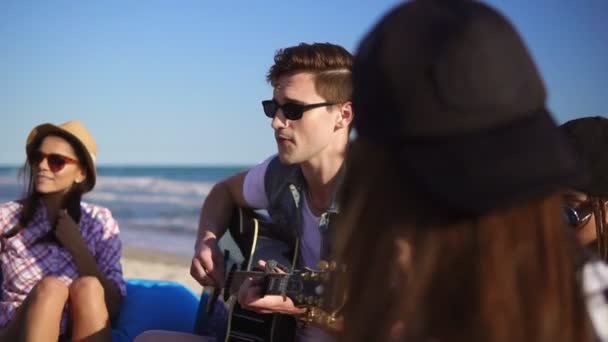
point(180, 82)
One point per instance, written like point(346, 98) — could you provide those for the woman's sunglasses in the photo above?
point(292, 111)
point(56, 162)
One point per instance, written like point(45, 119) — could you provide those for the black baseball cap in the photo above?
point(589, 138)
point(450, 88)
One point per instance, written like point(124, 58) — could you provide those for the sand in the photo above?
point(142, 263)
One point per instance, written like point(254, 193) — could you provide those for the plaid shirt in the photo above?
point(28, 257)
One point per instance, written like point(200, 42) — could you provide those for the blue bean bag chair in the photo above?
point(154, 305)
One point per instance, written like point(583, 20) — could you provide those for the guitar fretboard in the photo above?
point(274, 283)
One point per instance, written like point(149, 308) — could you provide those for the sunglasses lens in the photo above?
point(571, 217)
point(56, 162)
point(292, 111)
point(270, 108)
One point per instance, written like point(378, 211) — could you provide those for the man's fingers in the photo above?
point(276, 267)
point(198, 272)
point(203, 276)
point(207, 268)
point(216, 272)
point(243, 293)
point(249, 292)
point(250, 298)
point(217, 269)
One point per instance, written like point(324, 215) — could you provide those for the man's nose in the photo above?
point(279, 120)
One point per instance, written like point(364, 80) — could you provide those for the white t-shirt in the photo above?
point(310, 241)
point(595, 287)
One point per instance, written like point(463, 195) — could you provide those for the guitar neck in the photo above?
point(236, 279)
point(304, 289)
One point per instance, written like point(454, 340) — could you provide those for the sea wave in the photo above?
point(131, 190)
point(149, 190)
point(143, 202)
point(152, 185)
point(182, 225)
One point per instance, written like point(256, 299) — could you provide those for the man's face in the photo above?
point(302, 140)
point(586, 231)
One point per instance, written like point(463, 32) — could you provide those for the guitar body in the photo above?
point(253, 236)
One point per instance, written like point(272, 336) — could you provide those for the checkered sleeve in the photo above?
point(109, 250)
point(8, 218)
point(3, 223)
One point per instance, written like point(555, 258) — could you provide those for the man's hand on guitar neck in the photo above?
point(208, 262)
point(250, 298)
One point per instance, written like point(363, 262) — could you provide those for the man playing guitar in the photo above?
point(311, 116)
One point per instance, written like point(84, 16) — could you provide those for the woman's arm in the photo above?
point(105, 266)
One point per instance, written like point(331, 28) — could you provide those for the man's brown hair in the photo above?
point(330, 64)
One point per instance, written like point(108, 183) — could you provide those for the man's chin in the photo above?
point(287, 159)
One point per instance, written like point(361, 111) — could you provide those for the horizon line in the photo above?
point(142, 165)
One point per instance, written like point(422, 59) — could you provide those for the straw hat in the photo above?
point(75, 130)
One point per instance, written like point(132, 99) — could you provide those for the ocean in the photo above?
point(156, 208)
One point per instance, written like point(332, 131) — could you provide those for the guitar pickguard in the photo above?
point(253, 236)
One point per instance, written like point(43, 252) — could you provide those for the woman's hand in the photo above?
point(68, 233)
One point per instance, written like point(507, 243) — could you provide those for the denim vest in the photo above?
point(284, 186)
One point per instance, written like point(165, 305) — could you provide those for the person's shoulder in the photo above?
point(278, 174)
point(270, 167)
point(9, 214)
point(10, 209)
point(10, 206)
point(94, 211)
point(595, 290)
point(275, 165)
point(595, 277)
point(265, 164)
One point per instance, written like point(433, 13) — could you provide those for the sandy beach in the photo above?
point(148, 264)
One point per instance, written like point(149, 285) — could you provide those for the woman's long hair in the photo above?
point(31, 198)
point(601, 228)
point(506, 276)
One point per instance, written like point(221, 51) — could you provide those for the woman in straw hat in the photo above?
point(456, 176)
point(60, 256)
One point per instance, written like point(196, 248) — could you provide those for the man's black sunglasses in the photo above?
point(292, 111)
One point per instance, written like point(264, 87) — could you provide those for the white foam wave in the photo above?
point(152, 185)
point(135, 184)
point(181, 223)
point(186, 202)
point(148, 203)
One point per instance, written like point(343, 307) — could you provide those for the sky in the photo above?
point(180, 82)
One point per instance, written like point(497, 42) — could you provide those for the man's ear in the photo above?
point(346, 115)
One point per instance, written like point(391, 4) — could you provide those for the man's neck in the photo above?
point(321, 179)
point(321, 172)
